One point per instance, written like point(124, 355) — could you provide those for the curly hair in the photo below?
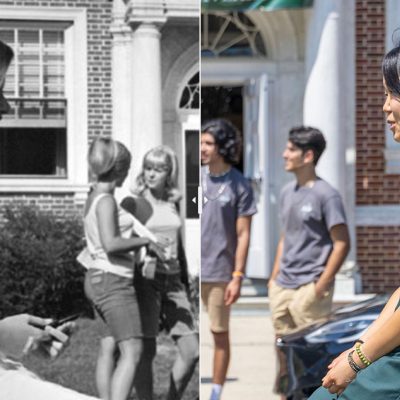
point(308, 138)
point(227, 138)
point(169, 159)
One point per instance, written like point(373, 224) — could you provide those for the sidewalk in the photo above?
point(252, 369)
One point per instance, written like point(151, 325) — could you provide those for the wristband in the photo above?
point(238, 274)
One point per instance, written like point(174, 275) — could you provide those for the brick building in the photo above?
point(85, 68)
point(316, 66)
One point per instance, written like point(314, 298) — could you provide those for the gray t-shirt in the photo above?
point(307, 214)
point(225, 199)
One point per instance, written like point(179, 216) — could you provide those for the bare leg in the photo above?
point(221, 357)
point(184, 365)
point(122, 380)
point(105, 367)
point(144, 374)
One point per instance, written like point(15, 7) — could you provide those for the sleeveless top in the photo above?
point(166, 222)
point(119, 264)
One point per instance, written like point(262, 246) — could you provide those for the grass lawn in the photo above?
point(75, 367)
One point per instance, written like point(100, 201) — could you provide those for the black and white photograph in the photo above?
point(100, 240)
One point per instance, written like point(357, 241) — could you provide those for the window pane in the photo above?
point(192, 172)
point(32, 151)
point(33, 137)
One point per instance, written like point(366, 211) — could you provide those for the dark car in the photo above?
point(309, 351)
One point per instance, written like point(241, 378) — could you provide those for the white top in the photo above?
point(119, 264)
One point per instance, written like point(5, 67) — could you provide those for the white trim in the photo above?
point(382, 215)
point(192, 234)
point(233, 71)
point(76, 93)
point(255, 76)
point(194, 69)
point(45, 186)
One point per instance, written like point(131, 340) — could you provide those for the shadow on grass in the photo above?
point(75, 368)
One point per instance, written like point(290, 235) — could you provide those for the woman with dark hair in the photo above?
point(370, 369)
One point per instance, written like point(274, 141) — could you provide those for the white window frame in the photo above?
point(392, 151)
point(76, 95)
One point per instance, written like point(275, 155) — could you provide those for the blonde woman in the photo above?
point(162, 285)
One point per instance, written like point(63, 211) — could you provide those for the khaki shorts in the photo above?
point(212, 295)
point(292, 309)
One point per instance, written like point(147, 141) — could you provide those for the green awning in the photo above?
point(243, 5)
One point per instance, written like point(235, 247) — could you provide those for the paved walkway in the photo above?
point(252, 368)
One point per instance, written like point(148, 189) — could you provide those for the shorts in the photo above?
point(164, 298)
point(292, 309)
point(212, 296)
point(115, 300)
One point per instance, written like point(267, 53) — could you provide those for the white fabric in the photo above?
point(121, 264)
point(21, 384)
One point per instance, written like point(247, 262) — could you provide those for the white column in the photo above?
point(122, 79)
point(329, 101)
point(121, 75)
point(146, 107)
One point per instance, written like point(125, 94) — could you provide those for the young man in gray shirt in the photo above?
point(228, 206)
point(314, 242)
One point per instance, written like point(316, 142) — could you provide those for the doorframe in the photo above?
point(241, 72)
point(190, 120)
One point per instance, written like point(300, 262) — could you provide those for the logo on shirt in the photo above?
point(306, 208)
point(224, 198)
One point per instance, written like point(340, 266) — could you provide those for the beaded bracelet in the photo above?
point(364, 359)
point(352, 363)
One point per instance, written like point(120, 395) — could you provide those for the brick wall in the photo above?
point(378, 248)
point(378, 257)
point(373, 185)
point(99, 88)
point(62, 205)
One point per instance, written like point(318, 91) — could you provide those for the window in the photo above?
point(230, 35)
point(190, 95)
point(33, 136)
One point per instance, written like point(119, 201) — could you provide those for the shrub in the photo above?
point(38, 270)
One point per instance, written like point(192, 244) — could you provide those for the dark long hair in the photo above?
point(391, 70)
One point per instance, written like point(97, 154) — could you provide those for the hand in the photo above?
point(339, 376)
point(339, 358)
point(157, 250)
point(321, 289)
point(162, 241)
point(54, 342)
point(270, 283)
point(232, 291)
point(23, 333)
